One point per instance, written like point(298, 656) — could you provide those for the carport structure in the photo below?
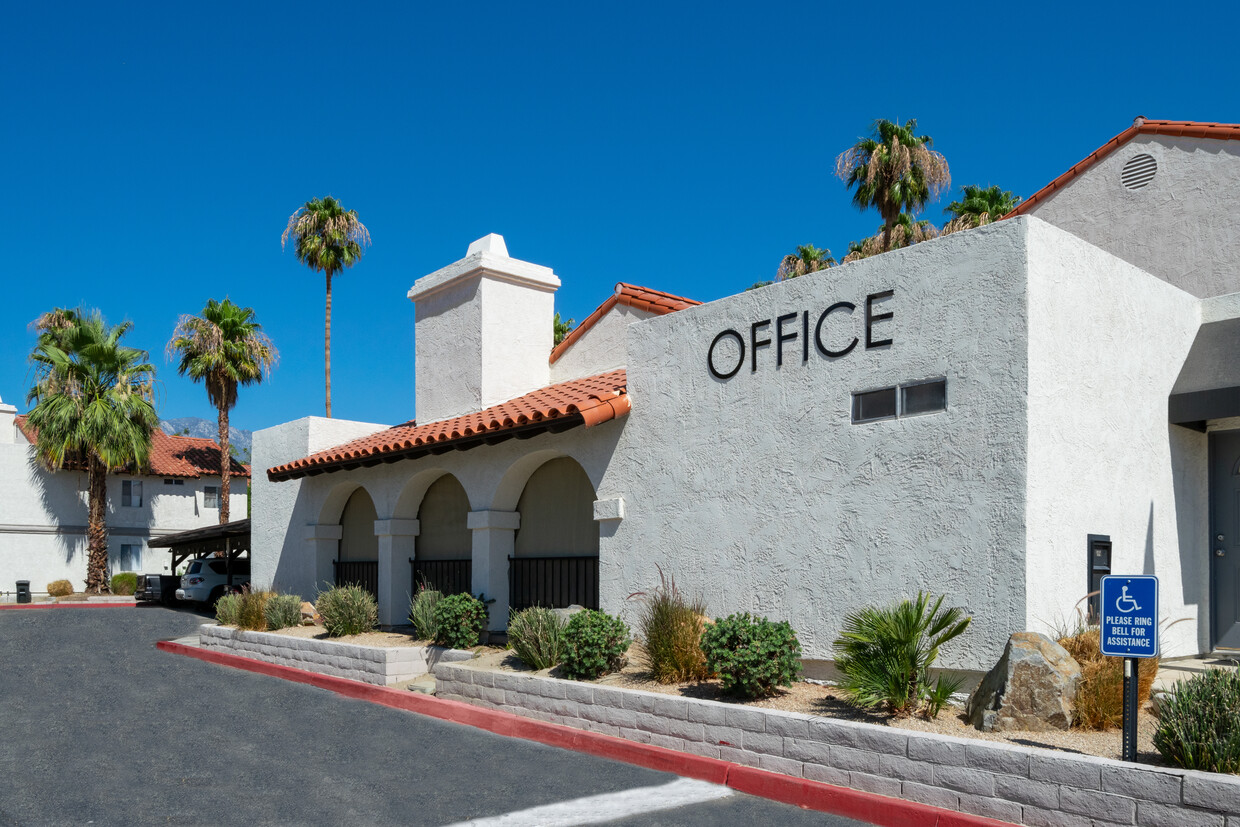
point(228, 540)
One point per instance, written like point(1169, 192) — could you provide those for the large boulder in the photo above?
point(1032, 687)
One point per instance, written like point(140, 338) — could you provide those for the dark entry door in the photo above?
point(1225, 538)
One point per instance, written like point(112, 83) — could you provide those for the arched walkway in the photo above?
point(443, 559)
point(555, 551)
point(358, 560)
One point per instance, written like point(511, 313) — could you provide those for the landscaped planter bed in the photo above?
point(1008, 782)
point(380, 665)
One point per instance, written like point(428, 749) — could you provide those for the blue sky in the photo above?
point(151, 153)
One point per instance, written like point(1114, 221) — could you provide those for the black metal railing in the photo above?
point(447, 576)
point(554, 582)
point(364, 573)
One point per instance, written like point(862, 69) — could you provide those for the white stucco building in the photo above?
point(979, 416)
point(43, 514)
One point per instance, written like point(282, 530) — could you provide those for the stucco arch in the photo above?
point(357, 522)
point(409, 501)
point(508, 492)
point(557, 512)
point(443, 519)
point(333, 504)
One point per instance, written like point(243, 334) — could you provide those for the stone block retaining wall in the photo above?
point(380, 665)
point(1010, 783)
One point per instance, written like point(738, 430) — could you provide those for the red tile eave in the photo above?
point(1180, 129)
point(595, 399)
point(641, 298)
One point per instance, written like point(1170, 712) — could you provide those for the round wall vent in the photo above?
point(1138, 171)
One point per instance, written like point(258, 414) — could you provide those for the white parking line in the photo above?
point(597, 809)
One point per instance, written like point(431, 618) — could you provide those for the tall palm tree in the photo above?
point(224, 348)
point(93, 409)
point(894, 170)
point(807, 259)
point(328, 238)
point(905, 233)
point(978, 207)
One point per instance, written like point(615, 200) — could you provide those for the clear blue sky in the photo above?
point(150, 154)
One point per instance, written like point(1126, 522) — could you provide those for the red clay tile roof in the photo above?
point(1182, 129)
point(173, 456)
point(642, 298)
point(588, 401)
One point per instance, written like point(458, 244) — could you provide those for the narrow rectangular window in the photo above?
point(871, 405)
point(211, 496)
point(131, 493)
point(169, 481)
point(924, 397)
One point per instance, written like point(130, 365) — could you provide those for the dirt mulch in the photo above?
point(828, 702)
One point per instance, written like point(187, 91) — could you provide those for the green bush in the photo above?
point(252, 610)
point(537, 636)
point(125, 583)
point(885, 655)
point(282, 611)
point(752, 655)
point(60, 588)
point(671, 626)
point(460, 618)
point(595, 643)
point(226, 609)
point(347, 610)
point(422, 613)
point(1199, 723)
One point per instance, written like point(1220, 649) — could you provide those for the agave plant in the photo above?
point(885, 655)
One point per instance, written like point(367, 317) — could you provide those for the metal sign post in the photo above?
point(1128, 614)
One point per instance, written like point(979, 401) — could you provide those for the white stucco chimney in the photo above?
point(8, 423)
point(483, 331)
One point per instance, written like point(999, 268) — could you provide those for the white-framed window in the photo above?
point(130, 557)
point(131, 493)
point(898, 401)
point(211, 496)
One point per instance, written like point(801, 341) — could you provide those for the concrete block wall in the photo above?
point(1009, 783)
point(379, 665)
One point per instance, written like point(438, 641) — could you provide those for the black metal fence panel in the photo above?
point(553, 582)
point(447, 576)
point(364, 573)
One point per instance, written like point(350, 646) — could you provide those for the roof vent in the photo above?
point(1138, 171)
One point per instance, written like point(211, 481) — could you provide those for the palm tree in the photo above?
point(978, 207)
point(905, 233)
point(328, 238)
point(894, 171)
point(92, 409)
point(223, 348)
point(808, 259)
point(560, 328)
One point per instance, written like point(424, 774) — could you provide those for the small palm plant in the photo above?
point(885, 655)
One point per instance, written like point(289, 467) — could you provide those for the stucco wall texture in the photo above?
point(1191, 201)
point(601, 348)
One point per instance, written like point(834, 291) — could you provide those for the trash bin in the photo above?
point(23, 591)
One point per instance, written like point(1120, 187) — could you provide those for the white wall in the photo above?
point(1181, 227)
point(1106, 344)
point(760, 493)
point(601, 348)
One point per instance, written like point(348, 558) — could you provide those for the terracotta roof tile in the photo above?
point(588, 401)
point(641, 298)
point(173, 456)
point(1184, 129)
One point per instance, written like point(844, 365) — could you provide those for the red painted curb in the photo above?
point(67, 605)
point(800, 792)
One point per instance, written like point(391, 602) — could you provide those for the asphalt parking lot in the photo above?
point(99, 727)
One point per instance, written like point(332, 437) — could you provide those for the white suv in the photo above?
point(206, 579)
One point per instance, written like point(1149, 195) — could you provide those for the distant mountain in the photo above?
point(240, 440)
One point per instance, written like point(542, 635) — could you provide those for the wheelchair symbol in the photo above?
point(1125, 603)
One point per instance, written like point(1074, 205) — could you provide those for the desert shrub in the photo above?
point(60, 588)
point(1100, 692)
point(1199, 723)
point(460, 619)
point(537, 636)
point(595, 643)
point(670, 625)
point(422, 613)
point(885, 655)
point(226, 609)
point(125, 583)
point(282, 611)
point(347, 610)
point(252, 610)
point(752, 655)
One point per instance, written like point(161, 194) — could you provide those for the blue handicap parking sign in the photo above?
point(1128, 611)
